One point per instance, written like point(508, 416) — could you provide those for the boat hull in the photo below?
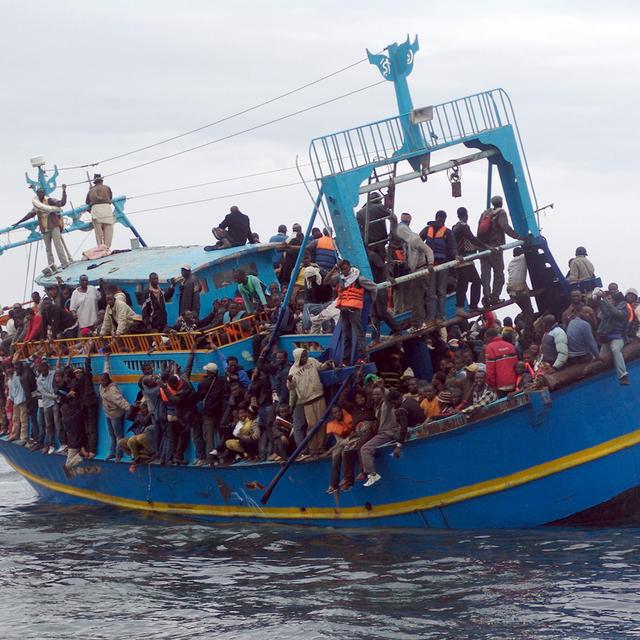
point(575, 461)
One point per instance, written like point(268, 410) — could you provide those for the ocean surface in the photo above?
point(94, 573)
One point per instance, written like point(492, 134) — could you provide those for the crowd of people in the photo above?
point(232, 415)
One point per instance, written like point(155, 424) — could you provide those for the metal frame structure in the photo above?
point(49, 184)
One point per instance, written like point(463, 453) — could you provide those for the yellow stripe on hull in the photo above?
point(443, 499)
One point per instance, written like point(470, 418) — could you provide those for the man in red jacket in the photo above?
point(500, 358)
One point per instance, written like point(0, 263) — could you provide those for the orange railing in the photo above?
point(146, 342)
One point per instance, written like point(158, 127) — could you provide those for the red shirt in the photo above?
point(500, 359)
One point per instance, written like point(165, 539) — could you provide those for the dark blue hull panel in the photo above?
point(526, 467)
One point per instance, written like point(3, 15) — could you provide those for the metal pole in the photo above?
point(452, 264)
point(434, 169)
point(294, 273)
point(303, 444)
point(489, 187)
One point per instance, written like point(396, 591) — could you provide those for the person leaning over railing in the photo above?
point(119, 318)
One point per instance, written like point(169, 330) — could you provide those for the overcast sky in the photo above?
point(83, 81)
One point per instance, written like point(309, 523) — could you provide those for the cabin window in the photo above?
point(140, 294)
point(222, 279)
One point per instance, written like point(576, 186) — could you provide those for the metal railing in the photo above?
point(219, 336)
point(383, 141)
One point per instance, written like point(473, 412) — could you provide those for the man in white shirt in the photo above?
point(519, 291)
point(84, 305)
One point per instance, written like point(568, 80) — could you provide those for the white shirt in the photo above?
point(85, 305)
point(517, 274)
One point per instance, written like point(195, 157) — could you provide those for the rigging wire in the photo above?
point(220, 120)
point(229, 195)
point(238, 133)
point(219, 181)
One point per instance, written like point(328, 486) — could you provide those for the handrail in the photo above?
point(216, 337)
point(383, 141)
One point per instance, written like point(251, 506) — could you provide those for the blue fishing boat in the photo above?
point(566, 454)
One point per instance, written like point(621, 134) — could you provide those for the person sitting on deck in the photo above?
point(429, 403)
point(233, 231)
point(576, 305)
point(185, 323)
point(154, 310)
point(612, 328)
point(390, 429)
point(481, 395)
point(251, 290)
point(580, 267)
point(351, 287)
point(246, 435)
point(581, 343)
point(340, 426)
point(633, 313)
point(500, 359)
point(492, 227)
point(119, 318)
point(141, 446)
point(555, 350)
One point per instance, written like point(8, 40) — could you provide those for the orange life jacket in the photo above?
point(630, 313)
point(351, 297)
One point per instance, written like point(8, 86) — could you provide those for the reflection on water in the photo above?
point(92, 573)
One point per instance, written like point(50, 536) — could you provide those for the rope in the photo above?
point(237, 133)
point(26, 276)
point(229, 195)
point(224, 119)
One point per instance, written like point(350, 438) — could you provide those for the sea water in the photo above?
point(96, 573)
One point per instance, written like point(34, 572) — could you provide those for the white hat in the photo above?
point(211, 367)
point(186, 267)
point(632, 290)
point(596, 293)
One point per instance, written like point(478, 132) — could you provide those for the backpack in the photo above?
point(484, 224)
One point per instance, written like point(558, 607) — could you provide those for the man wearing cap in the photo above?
point(580, 267)
point(492, 228)
point(372, 220)
point(99, 199)
point(50, 224)
point(189, 292)
point(233, 231)
point(210, 393)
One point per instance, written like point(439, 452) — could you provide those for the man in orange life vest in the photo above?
point(351, 287)
point(442, 242)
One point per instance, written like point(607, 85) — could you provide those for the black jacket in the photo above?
point(211, 394)
point(154, 311)
point(377, 222)
point(238, 228)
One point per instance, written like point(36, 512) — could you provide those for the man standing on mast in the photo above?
point(50, 223)
point(99, 199)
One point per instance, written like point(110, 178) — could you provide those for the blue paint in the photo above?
point(474, 453)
